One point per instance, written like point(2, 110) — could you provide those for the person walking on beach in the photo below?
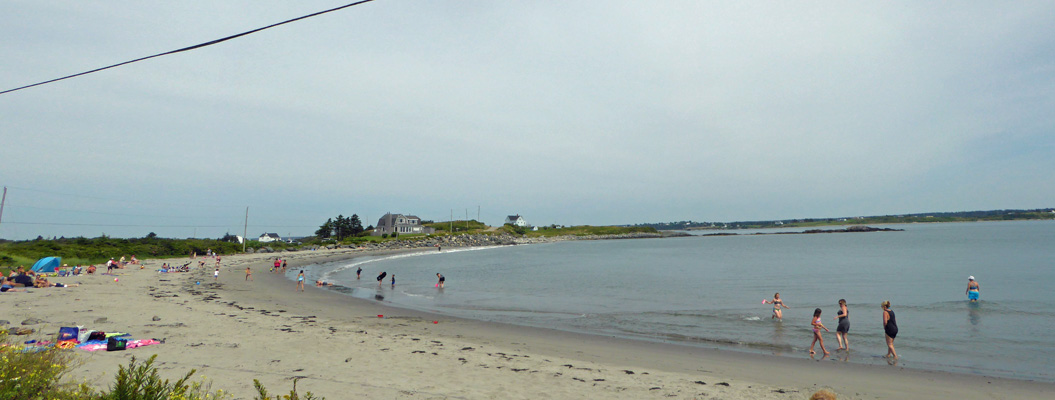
point(890, 328)
point(300, 281)
point(381, 277)
point(817, 326)
point(843, 315)
point(248, 274)
point(973, 289)
point(278, 264)
point(359, 273)
point(216, 274)
point(284, 265)
point(777, 304)
point(442, 279)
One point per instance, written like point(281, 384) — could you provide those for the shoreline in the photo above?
point(234, 331)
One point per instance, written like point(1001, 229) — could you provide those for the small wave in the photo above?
point(326, 275)
point(752, 319)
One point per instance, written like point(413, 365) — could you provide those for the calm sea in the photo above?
point(708, 291)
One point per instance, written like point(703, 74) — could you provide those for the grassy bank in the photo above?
point(98, 250)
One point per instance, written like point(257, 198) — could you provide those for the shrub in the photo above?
point(26, 373)
point(140, 381)
point(263, 395)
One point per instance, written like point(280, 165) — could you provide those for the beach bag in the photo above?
point(97, 335)
point(68, 333)
point(115, 344)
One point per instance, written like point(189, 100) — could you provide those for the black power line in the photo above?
point(200, 45)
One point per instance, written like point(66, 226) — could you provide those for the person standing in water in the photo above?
point(359, 273)
point(817, 326)
point(843, 315)
point(890, 328)
point(973, 289)
point(442, 279)
point(381, 277)
point(393, 280)
point(777, 304)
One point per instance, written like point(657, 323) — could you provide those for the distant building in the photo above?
point(401, 224)
point(516, 220)
point(269, 237)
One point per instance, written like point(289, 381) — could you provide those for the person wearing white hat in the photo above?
point(972, 289)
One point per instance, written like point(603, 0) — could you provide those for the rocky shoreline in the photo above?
point(852, 229)
point(469, 240)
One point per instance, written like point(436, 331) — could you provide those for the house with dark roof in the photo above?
point(400, 224)
point(269, 237)
point(516, 220)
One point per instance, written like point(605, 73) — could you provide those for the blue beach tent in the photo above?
point(46, 264)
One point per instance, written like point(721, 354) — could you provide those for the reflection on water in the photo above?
point(974, 314)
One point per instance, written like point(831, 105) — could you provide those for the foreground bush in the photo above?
point(36, 374)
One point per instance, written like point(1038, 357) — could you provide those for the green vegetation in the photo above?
point(584, 230)
point(97, 250)
point(38, 375)
point(463, 226)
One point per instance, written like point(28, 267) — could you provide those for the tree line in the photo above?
point(341, 227)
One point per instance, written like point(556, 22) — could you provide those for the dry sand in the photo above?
point(233, 331)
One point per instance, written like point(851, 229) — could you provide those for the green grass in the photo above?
point(583, 230)
point(97, 250)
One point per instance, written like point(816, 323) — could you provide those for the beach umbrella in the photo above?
point(46, 264)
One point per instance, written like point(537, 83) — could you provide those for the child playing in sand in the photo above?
point(817, 326)
point(216, 274)
point(248, 274)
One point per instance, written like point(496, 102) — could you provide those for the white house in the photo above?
point(516, 220)
point(269, 237)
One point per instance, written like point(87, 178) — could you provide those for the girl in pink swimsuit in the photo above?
point(817, 326)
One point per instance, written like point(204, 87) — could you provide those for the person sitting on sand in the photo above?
point(24, 279)
point(91, 270)
point(134, 261)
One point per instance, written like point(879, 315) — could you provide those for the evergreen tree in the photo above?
point(326, 230)
point(356, 225)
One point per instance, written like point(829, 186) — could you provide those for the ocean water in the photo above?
point(708, 291)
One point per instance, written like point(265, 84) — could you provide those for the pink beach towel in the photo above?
point(130, 345)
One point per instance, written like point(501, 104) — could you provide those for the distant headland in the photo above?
point(959, 216)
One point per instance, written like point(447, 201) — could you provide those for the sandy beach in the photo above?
point(233, 331)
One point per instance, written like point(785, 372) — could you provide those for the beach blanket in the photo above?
point(97, 345)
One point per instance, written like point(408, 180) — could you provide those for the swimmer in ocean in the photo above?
point(973, 289)
point(777, 304)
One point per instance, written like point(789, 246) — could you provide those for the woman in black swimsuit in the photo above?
point(890, 327)
point(843, 315)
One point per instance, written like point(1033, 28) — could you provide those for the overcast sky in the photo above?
point(581, 112)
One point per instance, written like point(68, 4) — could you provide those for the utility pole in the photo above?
point(477, 213)
point(466, 219)
point(245, 229)
point(452, 222)
point(2, 200)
